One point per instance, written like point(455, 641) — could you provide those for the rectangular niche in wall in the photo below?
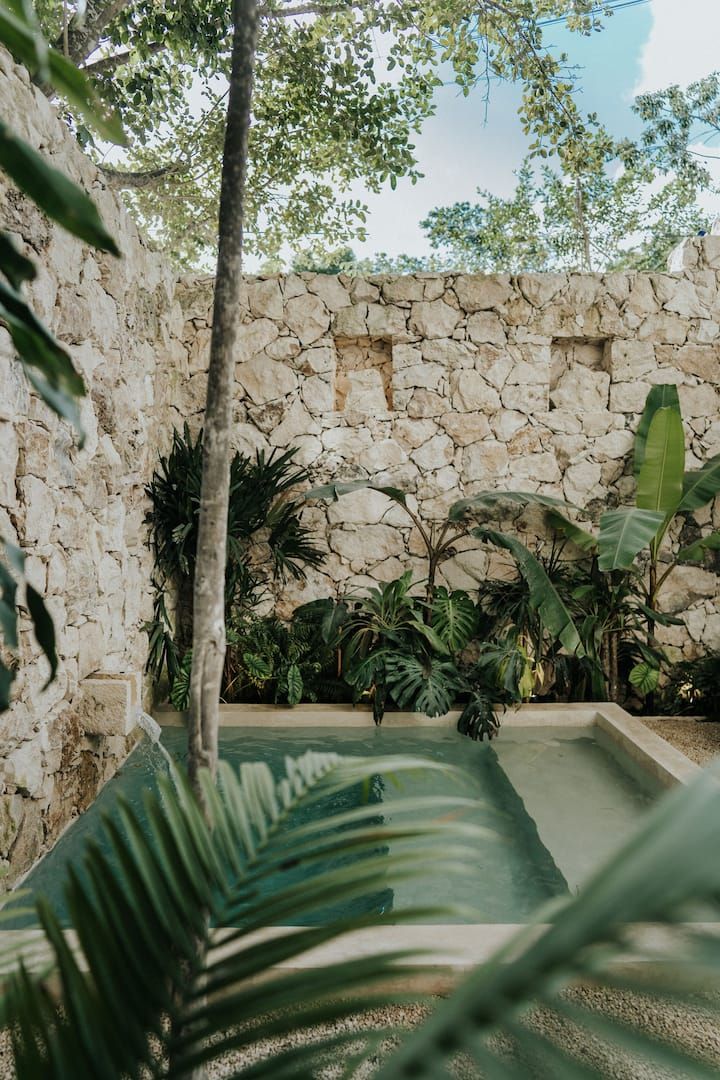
point(578, 373)
point(567, 352)
point(363, 376)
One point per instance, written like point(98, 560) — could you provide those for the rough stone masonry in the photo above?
point(442, 384)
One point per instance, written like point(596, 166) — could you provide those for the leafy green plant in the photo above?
point(276, 662)
point(263, 516)
point(438, 538)
point(692, 687)
point(146, 993)
point(47, 365)
point(606, 612)
point(634, 539)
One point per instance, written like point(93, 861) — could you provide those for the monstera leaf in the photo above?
point(454, 618)
point(426, 685)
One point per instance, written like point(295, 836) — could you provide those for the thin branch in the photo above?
point(83, 39)
point(122, 180)
point(111, 63)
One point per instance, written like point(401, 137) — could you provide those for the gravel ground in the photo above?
point(698, 739)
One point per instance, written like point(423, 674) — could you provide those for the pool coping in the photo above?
point(668, 765)
point(457, 948)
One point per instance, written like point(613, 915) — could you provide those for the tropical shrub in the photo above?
point(266, 540)
point(606, 612)
point(397, 649)
point(633, 540)
point(692, 688)
point(438, 538)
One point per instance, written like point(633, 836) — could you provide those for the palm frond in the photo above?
point(143, 917)
point(667, 874)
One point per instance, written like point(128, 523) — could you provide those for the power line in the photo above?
point(613, 5)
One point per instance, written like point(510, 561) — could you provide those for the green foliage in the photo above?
point(12, 572)
point(275, 662)
point(543, 595)
point(606, 212)
point(692, 688)
point(454, 618)
point(667, 873)
point(664, 491)
point(681, 126)
point(327, 112)
point(145, 994)
point(46, 364)
point(426, 684)
point(266, 539)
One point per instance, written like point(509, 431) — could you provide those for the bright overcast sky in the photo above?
point(644, 47)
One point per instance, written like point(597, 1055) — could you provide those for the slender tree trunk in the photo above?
point(209, 592)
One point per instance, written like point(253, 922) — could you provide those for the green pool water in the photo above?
point(556, 805)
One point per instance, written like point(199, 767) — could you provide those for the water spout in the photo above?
point(153, 731)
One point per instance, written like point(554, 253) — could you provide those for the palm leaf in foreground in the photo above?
point(152, 987)
point(668, 874)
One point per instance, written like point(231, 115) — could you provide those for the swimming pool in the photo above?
point(556, 799)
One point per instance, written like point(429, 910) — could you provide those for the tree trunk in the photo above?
point(209, 591)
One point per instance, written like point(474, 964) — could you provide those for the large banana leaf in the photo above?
point(490, 499)
point(660, 480)
point(580, 537)
point(664, 396)
point(701, 485)
point(623, 533)
point(668, 872)
point(544, 597)
point(148, 994)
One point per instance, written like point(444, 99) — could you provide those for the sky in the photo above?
point(461, 148)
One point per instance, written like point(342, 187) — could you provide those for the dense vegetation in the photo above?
point(579, 622)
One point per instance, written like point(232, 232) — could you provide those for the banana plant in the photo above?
point(664, 490)
point(438, 538)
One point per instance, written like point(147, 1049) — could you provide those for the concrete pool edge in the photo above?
point(664, 762)
point(457, 948)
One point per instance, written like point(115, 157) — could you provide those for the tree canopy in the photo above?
point(342, 88)
point(595, 220)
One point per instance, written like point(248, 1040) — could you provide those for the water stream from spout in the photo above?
point(152, 730)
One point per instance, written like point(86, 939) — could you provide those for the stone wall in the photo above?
point(77, 513)
point(443, 385)
point(446, 385)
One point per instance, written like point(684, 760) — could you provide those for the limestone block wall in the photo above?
point(441, 384)
point(77, 513)
point(446, 385)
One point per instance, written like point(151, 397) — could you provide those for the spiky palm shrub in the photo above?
point(152, 986)
point(262, 511)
